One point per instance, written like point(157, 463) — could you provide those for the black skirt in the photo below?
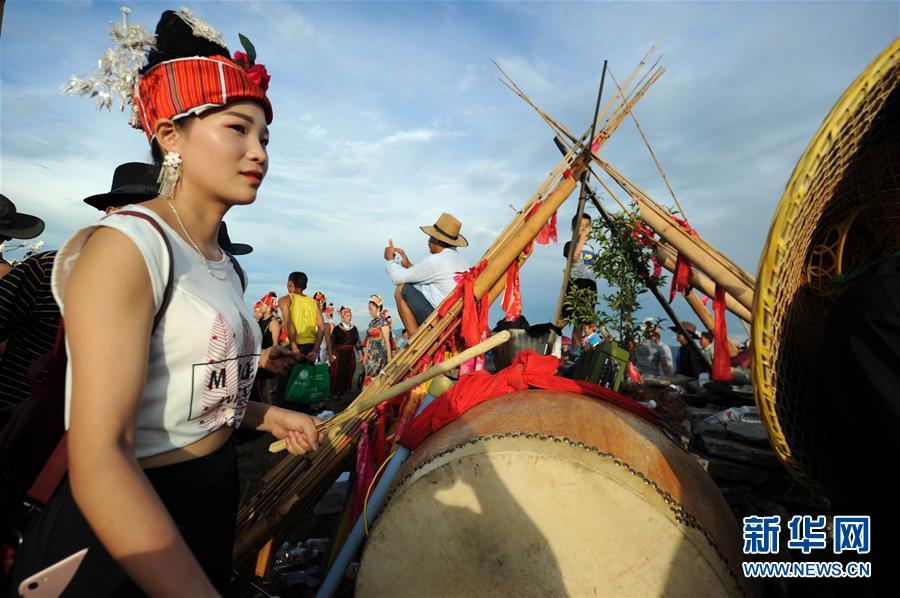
point(201, 495)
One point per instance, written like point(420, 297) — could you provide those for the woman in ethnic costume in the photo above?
point(152, 486)
point(344, 342)
point(270, 327)
point(376, 348)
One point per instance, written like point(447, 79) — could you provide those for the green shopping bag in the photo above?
point(308, 383)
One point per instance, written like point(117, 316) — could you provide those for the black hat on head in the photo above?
point(232, 248)
point(689, 327)
point(15, 225)
point(132, 182)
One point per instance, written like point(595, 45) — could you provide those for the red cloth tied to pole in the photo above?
point(721, 369)
point(365, 471)
point(474, 313)
point(657, 267)
point(681, 278)
point(512, 294)
point(548, 231)
point(528, 370)
point(633, 373)
point(645, 238)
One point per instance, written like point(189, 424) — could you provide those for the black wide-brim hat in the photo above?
point(15, 225)
point(689, 327)
point(232, 248)
point(133, 182)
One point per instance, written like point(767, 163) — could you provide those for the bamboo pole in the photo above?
point(576, 227)
point(625, 98)
point(659, 167)
point(359, 408)
point(666, 255)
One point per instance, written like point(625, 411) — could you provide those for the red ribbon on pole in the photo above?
point(721, 369)
point(512, 294)
point(681, 278)
point(548, 231)
point(474, 313)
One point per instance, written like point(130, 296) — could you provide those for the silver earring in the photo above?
point(169, 174)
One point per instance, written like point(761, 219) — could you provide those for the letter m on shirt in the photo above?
point(216, 379)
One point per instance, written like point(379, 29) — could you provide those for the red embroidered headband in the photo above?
point(270, 299)
point(184, 86)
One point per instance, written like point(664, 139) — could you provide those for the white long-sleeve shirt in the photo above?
point(433, 275)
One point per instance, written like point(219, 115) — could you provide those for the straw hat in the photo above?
point(446, 229)
point(839, 212)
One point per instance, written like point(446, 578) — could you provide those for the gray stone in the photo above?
point(702, 412)
point(742, 453)
point(712, 428)
point(748, 433)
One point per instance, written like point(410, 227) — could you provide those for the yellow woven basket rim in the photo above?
point(795, 195)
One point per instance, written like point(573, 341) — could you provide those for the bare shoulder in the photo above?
point(109, 251)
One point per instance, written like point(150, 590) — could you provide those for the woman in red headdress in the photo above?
point(270, 326)
point(152, 485)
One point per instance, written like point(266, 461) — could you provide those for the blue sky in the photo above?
point(387, 114)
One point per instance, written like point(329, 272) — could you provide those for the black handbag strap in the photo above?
point(167, 293)
point(53, 471)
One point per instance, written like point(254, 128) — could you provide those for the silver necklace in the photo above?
point(184, 229)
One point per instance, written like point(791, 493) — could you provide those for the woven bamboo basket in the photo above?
point(840, 211)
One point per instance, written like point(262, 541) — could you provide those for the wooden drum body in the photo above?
point(543, 493)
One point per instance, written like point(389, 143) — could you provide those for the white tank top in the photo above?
point(203, 354)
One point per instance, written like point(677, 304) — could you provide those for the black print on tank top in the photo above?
point(227, 376)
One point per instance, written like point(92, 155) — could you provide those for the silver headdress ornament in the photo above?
point(117, 70)
point(201, 28)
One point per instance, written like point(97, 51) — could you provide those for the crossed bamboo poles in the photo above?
point(294, 484)
point(712, 266)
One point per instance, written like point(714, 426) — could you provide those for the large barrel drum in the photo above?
point(542, 493)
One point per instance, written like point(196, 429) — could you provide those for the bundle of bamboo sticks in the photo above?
point(294, 485)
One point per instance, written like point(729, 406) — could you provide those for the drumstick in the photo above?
point(445, 366)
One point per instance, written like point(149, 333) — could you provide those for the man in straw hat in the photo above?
point(422, 287)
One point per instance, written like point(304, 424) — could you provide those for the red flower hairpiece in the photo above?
point(247, 61)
